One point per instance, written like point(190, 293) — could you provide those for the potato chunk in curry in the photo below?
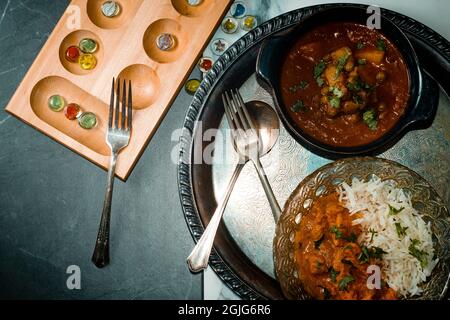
point(343, 93)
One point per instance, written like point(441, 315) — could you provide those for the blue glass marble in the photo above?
point(238, 10)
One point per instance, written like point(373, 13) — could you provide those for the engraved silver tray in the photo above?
point(243, 256)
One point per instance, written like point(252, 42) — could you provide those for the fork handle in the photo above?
point(199, 257)
point(276, 210)
point(101, 252)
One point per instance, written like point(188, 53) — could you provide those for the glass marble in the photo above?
point(87, 61)
point(88, 45)
point(192, 86)
point(56, 103)
point(87, 120)
point(205, 64)
point(249, 22)
point(165, 41)
point(72, 54)
point(194, 3)
point(229, 25)
point(219, 46)
point(238, 9)
point(72, 111)
point(111, 9)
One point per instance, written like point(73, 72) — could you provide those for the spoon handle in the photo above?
point(276, 210)
point(199, 257)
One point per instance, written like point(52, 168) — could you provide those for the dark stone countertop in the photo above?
point(51, 198)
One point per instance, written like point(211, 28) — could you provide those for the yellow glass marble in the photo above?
point(87, 61)
point(249, 23)
point(192, 86)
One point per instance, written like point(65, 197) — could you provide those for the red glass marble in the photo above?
point(72, 54)
point(205, 64)
point(72, 111)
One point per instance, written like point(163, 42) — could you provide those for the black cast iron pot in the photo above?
point(423, 90)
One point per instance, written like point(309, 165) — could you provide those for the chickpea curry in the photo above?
point(331, 264)
point(344, 84)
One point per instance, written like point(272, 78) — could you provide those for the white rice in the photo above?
point(402, 271)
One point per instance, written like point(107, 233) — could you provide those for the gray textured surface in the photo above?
point(50, 198)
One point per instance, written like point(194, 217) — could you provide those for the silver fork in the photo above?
point(247, 141)
point(117, 138)
point(247, 144)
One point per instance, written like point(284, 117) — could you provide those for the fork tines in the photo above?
point(236, 111)
point(117, 116)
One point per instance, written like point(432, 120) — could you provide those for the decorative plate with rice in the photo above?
point(363, 228)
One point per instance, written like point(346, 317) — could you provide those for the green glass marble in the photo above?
point(88, 45)
point(87, 120)
point(56, 103)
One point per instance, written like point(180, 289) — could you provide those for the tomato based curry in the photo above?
point(331, 264)
point(344, 84)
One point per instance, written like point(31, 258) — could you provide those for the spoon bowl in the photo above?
point(266, 122)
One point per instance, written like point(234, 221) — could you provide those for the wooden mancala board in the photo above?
point(127, 49)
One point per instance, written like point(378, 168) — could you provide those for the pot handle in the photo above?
point(426, 107)
point(269, 59)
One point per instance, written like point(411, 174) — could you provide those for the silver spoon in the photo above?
point(268, 126)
